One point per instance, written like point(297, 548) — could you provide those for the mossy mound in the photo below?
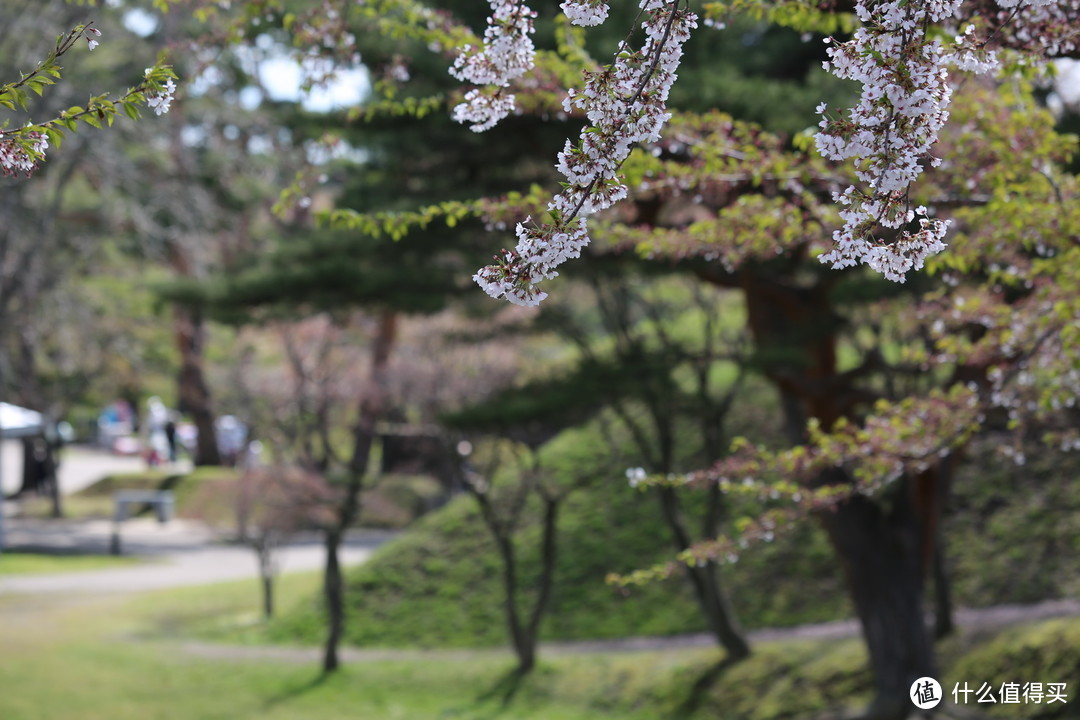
point(440, 584)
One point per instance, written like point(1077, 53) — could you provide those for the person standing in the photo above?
point(170, 436)
point(157, 443)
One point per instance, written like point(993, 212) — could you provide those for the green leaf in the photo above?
point(55, 135)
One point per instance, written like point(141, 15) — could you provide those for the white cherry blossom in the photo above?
point(506, 55)
point(889, 134)
point(587, 14)
point(625, 104)
point(14, 158)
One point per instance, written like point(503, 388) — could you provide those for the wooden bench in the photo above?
point(161, 500)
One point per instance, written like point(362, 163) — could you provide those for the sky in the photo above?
point(280, 74)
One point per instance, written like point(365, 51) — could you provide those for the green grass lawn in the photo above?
point(89, 660)
point(128, 658)
point(23, 563)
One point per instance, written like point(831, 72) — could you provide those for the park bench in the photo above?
point(161, 500)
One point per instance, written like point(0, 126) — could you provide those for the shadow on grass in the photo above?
point(700, 689)
point(501, 693)
point(504, 689)
point(298, 691)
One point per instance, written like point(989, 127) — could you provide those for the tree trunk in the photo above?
point(266, 579)
point(371, 408)
point(881, 558)
point(191, 384)
point(526, 652)
point(52, 480)
point(943, 605)
point(705, 580)
point(333, 582)
point(884, 555)
point(333, 592)
point(548, 558)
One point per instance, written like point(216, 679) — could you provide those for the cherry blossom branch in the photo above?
point(507, 54)
point(625, 104)
point(23, 149)
point(889, 133)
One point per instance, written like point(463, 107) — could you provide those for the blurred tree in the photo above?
point(263, 508)
point(45, 242)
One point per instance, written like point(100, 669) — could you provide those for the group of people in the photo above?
point(159, 436)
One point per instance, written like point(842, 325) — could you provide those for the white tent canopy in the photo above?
point(17, 422)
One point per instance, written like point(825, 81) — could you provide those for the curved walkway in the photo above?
point(967, 620)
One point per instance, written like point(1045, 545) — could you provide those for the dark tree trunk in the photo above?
point(705, 581)
point(548, 558)
point(191, 384)
point(266, 579)
point(371, 409)
point(523, 648)
point(885, 554)
point(943, 605)
point(526, 637)
point(52, 480)
point(333, 582)
point(333, 592)
point(881, 558)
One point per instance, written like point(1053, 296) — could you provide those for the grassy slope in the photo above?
point(438, 584)
point(1013, 538)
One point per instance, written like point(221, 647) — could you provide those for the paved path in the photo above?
point(177, 553)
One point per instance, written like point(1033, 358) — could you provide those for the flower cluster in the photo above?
point(160, 102)
point(889, 134)
point(507, 54)
point(626, 104)
point(91, 42)
point(21, 153)
point(1043, 28)
point(970, 54)
point(586, 13)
